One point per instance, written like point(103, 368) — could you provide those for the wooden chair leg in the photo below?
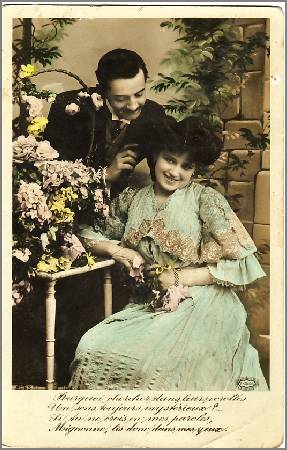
point(50, 334)
point(108, 296)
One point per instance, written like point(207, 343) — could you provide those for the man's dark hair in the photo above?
point(119, 63)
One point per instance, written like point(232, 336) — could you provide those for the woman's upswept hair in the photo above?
point(193, 135)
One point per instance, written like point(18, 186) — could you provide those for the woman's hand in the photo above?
point(165, 277)
point(125, 256)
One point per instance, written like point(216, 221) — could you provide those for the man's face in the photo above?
point(127, 96)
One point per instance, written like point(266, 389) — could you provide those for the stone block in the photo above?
point(266, 96)
point(262, 198)
point(218, 169)
point(261, 237)
point(232, 110)
point(241, 197)
point(250, 169)
point(256, 300)
point(249, 227)
point(233, 126)
point(215, 184)
point(252, 96)
point(265, 164)
point(259, 55)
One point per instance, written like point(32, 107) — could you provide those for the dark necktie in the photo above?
point(116, 127)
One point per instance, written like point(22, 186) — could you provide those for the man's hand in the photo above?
point(126, 159)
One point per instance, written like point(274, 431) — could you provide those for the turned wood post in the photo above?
point(108, 292)
point(50, 333)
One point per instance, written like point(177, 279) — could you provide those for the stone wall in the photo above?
point(251, 111)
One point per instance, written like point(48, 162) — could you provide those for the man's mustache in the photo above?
point(128, 111)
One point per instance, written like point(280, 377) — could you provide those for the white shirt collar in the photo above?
point(114, 116)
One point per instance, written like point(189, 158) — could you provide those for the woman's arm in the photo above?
point(186, 276)
point(109, 249)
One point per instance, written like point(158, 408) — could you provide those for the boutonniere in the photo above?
point(75, 106)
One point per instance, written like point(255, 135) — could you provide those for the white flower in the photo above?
point(35, 105)
point(83, 94)
point(97, 100)
point(45, 151)
point(52, 98)
point(22, 254)
point(44, 240)
point(72, 109)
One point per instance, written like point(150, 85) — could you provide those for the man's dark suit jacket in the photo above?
point(73, 137)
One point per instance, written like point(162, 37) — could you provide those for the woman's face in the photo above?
point(172, 171)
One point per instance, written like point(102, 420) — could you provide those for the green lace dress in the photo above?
point(204, 344)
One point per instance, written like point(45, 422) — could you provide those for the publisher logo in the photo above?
point(247, 383)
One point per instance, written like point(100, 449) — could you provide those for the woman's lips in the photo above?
point(169, 179)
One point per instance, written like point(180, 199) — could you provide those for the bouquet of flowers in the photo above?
point(50, 197)
point(149, 286)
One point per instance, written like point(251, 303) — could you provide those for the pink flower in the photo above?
point(173, 297)
point(97, 100)
point(22, 254)
point(72, 248)
point(136, 271)
point(32, 202)
point(72, 109)
point(74, 173)
point(29, 149)
point(19, 290)
point(23, 147)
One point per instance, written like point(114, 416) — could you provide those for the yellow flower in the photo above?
point(27, 71)
point(58, 205)
point(69, 194)
point(37, 125)
point(90, 259)
point(64, 263)
point(42, 266)
point(47, 264)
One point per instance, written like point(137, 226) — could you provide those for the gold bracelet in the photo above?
point(176, 277)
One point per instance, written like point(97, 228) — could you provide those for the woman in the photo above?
point(195, 251)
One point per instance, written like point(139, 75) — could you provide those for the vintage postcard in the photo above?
point(143, 212)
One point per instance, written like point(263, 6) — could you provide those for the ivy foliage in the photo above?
point(206, 72)
point(207, 69)
point(42, 42)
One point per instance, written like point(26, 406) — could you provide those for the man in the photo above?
point(117, 133)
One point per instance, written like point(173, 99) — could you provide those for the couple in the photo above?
point(184, 326)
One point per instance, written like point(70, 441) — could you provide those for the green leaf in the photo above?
point(207, 54)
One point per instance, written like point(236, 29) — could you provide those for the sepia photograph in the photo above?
point(140, 216)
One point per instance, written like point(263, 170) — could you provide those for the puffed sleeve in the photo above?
point(114, 226)
point(225, 243)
